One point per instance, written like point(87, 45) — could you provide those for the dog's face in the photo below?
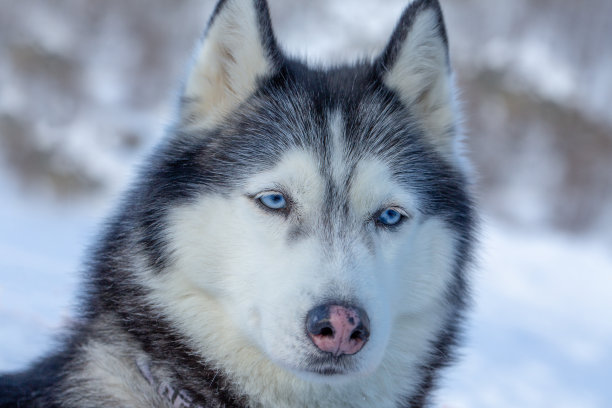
point(323, 222)
point(357, 237)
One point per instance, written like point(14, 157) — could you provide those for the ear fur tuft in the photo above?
point(237, 50)
point(415, 64)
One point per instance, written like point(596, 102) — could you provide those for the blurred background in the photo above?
point(87, 88)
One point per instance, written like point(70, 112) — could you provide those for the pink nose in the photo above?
point(338, 329)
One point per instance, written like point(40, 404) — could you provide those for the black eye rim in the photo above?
point(256, 198)
point(404, 216)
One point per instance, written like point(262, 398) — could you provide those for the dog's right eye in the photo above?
point(274, 200)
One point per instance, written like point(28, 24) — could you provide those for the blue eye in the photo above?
point(390, 217)
point(274, 201)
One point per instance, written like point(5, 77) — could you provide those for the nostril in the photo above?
point(357, 335)
point(327, 332)
point(361, 331)
point(317, 322)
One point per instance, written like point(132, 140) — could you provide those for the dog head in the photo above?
point(312, 218)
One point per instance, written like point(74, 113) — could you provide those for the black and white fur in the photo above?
point(195, 288)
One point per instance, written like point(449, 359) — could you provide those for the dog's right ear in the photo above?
point(237, 50)
point(416, 66)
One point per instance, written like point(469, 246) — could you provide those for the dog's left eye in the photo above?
point(274, 201)
point(390, 217)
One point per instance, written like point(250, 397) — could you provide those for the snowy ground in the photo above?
point(541, 333)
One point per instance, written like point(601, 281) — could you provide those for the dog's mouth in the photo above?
point(329, 365)
point(328, 371)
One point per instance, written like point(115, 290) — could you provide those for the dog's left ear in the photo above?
point(415, 64)
point(238, 49)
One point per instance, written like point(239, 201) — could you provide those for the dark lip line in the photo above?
point(327, 369)
point(328, 372)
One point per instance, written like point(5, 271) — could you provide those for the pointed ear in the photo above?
point(415, 64)
point(237, 50)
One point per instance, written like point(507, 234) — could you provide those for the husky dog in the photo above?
point(301, 238)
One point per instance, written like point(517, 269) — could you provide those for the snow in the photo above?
point(534, 66)
point(541, 333)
